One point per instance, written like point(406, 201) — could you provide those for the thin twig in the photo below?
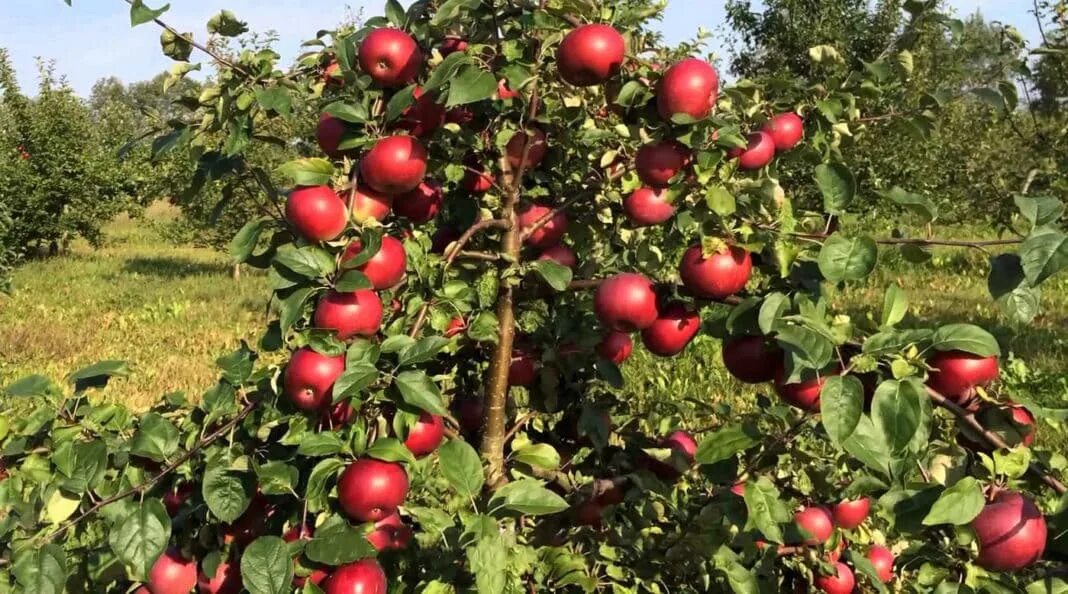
point(520, 422)
point(458, 245)
point(420, 320)
point(487, 256)
point(215, 55)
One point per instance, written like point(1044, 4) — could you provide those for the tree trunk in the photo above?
point(235, 272)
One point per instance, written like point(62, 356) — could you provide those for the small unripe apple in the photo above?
point(308, 380)
point(394, 165)
point(626, 302)
point(590, 55)
point(689, 87)
point(370, 489)
point(718, 275)
point(849, 514)
point(390, 57)
point(815, 524)
point(616, 347)
point(316, 213)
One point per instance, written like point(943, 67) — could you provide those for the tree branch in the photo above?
point(214, 54)
point(459, 244)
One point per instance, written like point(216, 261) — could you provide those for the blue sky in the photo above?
point(93, 39)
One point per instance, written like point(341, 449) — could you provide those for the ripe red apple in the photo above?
point(370, 205)
point(456, 327)
point(751, 359)
point(613, 495)
point(425, 435)
point(588, 513)
point(394, 165)
point(590, 55)
point(523, 369)
point(534, 137)
point(616, 347)
point(738, 488)
point(350, 314)
point(658, 162)
point(626, 302)
point(304, 532)
point(689, 87)
point(1024, 417)
point(503, 92)
point(390, 533)
point(815, 524)
point(309, 378)
point(786, 130)
point(423, 117)
point(718, 275)
point(173, 499)
point(371, 489)
point(227, 579)
point(460, 115)
point(476, 179)
point(883, 560)
point(1011, 532)
point(329, 133)
point(648, 206)
point(759, 152)
point(386, 268)
point(561, 254)
point(172, 574)
point(452, 44)
point(548, 234)
point(332, 74)
point(316, 213)
point(674, 328)
point(337, 415)
point(804, 394)
point(681, 444)
point(390, 57)
point(421, 204)
point(469, 412)
point(956, 374)
point(849, 514)
point(841, 583)
point(362, 577)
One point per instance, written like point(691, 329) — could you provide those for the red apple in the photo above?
point(441, 239)
point(523, 369)
point(658, 162)
point(316, 213)
point(883, 560)
point(370, 205)
point(386, 268)
point(682, 445)
point(849, 514)
point(648, 206)
point(371, 489)
point(426, 435)
point(689, 87)
point(350, 314)
point(423, 117)
point(588, 513)
point(329, 134)
point(452, 44)
point(309, 378)
point(503, 92)
point(394, 165)
point(815, 524)
point(718, 275)
point(421, 204)
point(390, 533)
point(227, 579)
point(460, 115)
point(616, 347)
point(1011, 533)
point(476, 179)
point(390, 57)
point(548, 234)
point(759, 152)
point(304, 532)
point(674, 328)
point(173, 499)
point(1024, 417)
point(517, 144)
point(956, 374)
point(842, 582)
point(590, 55)
point(626, 302)
point(456, 327)
point(337, 415)
point(469, 412)
point(172, 574)
point(804, 394)
point(751, 359)
point(786, 130)
point(362, 577)
point(561, 254)
point(332, 74)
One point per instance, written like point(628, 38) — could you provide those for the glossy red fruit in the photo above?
point(674, 328)
point(648, 206)
point(309, 378)
point(658, 162)
point(757, 154)
point(390, 57)
point(883, 561)
point(616, 347)
point(394, 165)
point(1024, 417)
point(457, 326)
point(786, 130)
point(469, 412)
point(329, 134)
point(718, 275)
point(390, 534)
point(452, 44)
point(358, 313)
point(751, 359)
point(815, 524)
point(304, 532)
point(362, 577)
point(590, 55)
point(332, 75)
point(561, 254)
point(476, 179)
point(849, 514)
point(370, 489)
point(1011, 532)
point(738, 488)
point(370, 205)
point(956, 374)
point(337, 415)
point(683, 448)
point(523, 369)
point(426, 435)
point(548, 234)
point(421, 204)
point(386, 268)
point(626, 302)
point(461, 116)
point(518, 143)
point(689, 87)
point(173, 499)
point(842, 582)
point(227, 580)
point(316, 213)
point(423, 117)
point(588, 513)
point(503, 92)
point(804, 394)
point(172, 574)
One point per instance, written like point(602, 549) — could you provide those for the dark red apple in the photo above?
point(682, 445)
point(514, 150)
point(751, 359)
point(658, 162)
point(251, 524)
point(626, 302)
point(590, 55)
point(786, 130)
point(561, 254)
point(370, 205)
point(648, 206)
point(371, 489)
point(227, 579)
point(421, 204)
point(1024, 417)
point(390, 57)
point(386, 268)
point(309, 378)
point(476, 179)
point(1011, 532)
point(842, 582)
point(956, 374)
point(394, 165)
point(614, 495)
point(674, 328)
point(616, 347)
point(460, 115)
point(588, 513)
point(456, 327)
point(337, 415)
point(804, 394)
point(849, 514)
point(350, 314)
point(469, 412)
point(548, 234)
point(362, 577)
point(883, 561)
point(423, 117)
point(390, 533)
point(172, 574)
point(815, 524)
point(689, 87)
point(442, 238)
point(425, 435)
point(523, 369)
point(757, 154)
point(452, 44)
point(329, 134)
point(717, 275)
point(173, 499)
point(316, 213)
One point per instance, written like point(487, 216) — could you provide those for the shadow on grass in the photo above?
point(174, 267)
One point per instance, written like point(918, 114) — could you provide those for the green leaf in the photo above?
point(276, 99)
point(316, 491)
point(395, 13)
point(336, 543)
point(1040, 211)
point(422, 351)
point(1048, 585)
point(1043, 254)
point(895, 305)
point(484, 327)
point(98, 374)
point(809, 347)
point(226, 24)
point(356, 378)
point(554, 274)
point(841, 406)
point(267, 566)
point(529, 497)
point(390, 449)
point(843, 258)
point(896, 411)
point(308, 172)
point(471, 84)
point(868, 445)
point(351, 281)
point(725, 443)
point(310, 262)
point(226, 493)
point(450, 11)
point(156, 438)
point(719, 200)
point(326, 443)
point(141, 537)
point(40, 570)
point(540, 455)
point(862, 565)
point(400, 101)
point(176, 46)
point(837, 184)
point(741, 580)
point(488, 560)
point(895, 341)
point(965, 337)
point(461, 466)
point(88, 464)
point(920, 205)
point(419, 391)
point(991, 97)
point(447, 69)
point(957, 505)
point(31, 386)
point(141, 14)
point(766, 511)
point(277, 477)
point(245, 241)
point(292, 308)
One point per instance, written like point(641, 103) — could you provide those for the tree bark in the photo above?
point(235, 272)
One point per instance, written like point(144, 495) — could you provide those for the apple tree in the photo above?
point(503, 199)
